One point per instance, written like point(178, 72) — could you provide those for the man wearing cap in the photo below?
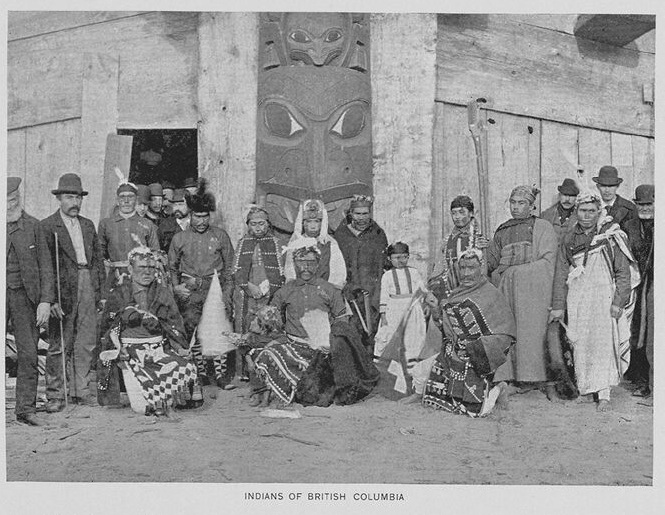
point(592, 284)
point(520, 260)
point(562, 214)
point(257, 271)
point(80, 281)
point(30, 291)
point(195, 254)
point(640, 236)
point(155, 213)
point(190, 185)
point(177, 222)
point(142, 199)
point(123, 231)
point(363, 244)
point(619, 208)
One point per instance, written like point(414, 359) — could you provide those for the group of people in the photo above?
point(332, 315)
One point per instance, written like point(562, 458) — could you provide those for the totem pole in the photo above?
point(314, 131)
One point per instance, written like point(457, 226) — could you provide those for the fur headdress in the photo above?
point(202, 201)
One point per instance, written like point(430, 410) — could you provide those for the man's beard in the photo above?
point(14, 214)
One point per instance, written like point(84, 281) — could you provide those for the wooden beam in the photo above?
point(403, 56)
point(541, 73)
point(227, 89)
point(99, 116)
point(614, 29)
point(117, 153)
point(25, 24)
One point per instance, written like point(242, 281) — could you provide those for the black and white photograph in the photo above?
point(328, 258)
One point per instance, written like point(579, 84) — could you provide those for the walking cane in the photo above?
point(62, 334)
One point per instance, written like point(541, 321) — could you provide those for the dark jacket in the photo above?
point(68, 264)
point(622, 210)
point(551, 214)
point(37, 272)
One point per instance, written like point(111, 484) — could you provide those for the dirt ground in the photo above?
point(534, 442)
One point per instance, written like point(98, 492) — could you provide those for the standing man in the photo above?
point(466, 234)
point(562, 214)
point(620, 209)
point(177, 222)
point(640, 236)
point(123, 231)
point(592, 284)
point(30, 291)
point(81, 279)
point(142, 199)
point(154, 212)
point(522, 256)
point(194, 256)
point(363, 244)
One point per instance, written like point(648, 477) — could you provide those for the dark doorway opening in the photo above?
point(163, 155)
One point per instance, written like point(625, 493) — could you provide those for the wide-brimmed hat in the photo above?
point(644, 194)
point(568, 187)
point(69, 183)
point(608, 176)
point(12, 184)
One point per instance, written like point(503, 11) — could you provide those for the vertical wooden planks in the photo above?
point(227, 89)
point(16, 153)
point(595, 151)
point(643, 167)
point(118, 153)
point(513, 158)
point(51, 150)
point(559, 158)
point(402, 126)
point(99, 116)
point(622, 160)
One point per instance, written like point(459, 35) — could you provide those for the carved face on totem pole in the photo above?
point(314, 114)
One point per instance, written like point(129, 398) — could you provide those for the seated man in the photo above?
point(324, 360)
point(142, 324)
point(478, 329)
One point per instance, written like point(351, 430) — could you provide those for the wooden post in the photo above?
point(403, 60)
point(227, 89)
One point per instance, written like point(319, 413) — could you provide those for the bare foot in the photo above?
point(552, 396)
point(502, 399)
point(603, 405)
point(411, 399)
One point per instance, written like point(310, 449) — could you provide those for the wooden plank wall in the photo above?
point(533, 71)
point(150, 94)
point(545, 156)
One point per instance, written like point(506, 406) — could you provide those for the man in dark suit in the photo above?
point(30, 291)
point(81, 277)
point(640, 235)
point(620, 209)
point(562, 214)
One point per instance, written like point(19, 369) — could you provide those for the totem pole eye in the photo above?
point(281, 122)
point(300, 36)
point(332, 36)
point(350, 123)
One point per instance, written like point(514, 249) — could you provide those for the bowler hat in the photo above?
point(608, 176)
point(69, 183)
point(644, 194)
point(568, 187)
point(156, 190)
point(12, 184)
point(190, 182)
point(178, 195)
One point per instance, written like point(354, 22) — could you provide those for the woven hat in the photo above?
point(69, 183)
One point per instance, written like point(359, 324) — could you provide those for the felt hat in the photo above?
point(69, 183)
point(12, 184)
point(143, 193)
point(156, 190)
point(178, 195)
point(568, 187)
point(644, 194)
point(608, 176)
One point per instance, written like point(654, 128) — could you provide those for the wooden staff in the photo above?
point(476, 128)
point(62, 334)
